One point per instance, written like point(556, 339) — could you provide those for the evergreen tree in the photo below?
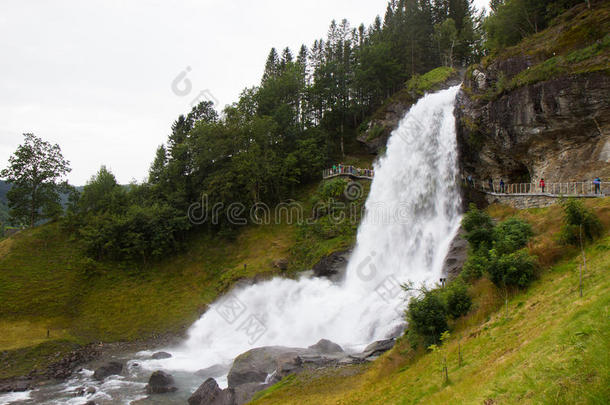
point(272, 66)
point(157, 169)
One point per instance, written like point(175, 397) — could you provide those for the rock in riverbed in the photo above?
point(112, 368)
point(160, 383)
point(209, 393)
point(161, 356)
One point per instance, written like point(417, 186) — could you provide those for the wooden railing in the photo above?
point(349, 171)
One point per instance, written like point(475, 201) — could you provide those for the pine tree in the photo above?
point(157, 169)
point(271, 66)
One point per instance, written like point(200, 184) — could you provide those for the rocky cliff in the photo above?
point(542, 108)
point(557, 129)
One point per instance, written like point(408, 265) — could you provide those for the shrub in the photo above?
point(457, 299)
point(479, 228)
point(427, 317)
point(474, 268)
point(515, 269)
point(577, 217)
point(512, 235)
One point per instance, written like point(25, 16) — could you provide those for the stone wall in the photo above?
point(523, 201)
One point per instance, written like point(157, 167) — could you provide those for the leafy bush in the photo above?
point(479, 228)
point(515, 269)
point(474, 268)
point(511, 235)
point(427, 317)
point(457, 299)
point(578, 220)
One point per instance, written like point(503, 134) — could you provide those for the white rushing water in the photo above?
point(412, 214)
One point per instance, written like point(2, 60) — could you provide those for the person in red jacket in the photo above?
point(542, 184)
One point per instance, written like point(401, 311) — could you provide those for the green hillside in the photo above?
point(552, 348)
point(47, 283)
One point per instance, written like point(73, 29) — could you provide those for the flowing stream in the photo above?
point(412, 215)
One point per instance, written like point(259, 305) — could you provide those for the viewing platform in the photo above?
point(348, 171)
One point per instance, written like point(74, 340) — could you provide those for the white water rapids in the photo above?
point(412, 214)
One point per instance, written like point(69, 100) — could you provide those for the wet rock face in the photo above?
point(160, 383)
point(209, 393)
point(326, 346)
point(161, 356)
point(456, 257)
point(112, 368)
point(333, 265)
point(557, 129)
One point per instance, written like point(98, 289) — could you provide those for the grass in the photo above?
point(420, 84)
point(551, 349)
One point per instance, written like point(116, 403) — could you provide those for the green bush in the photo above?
point(578, 220)
point(458, 302)
point(427, 317)
point(474, 268)
point(512, 270)
point(479, 228)
point(511, 235)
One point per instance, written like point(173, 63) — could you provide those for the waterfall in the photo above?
point(412, 214)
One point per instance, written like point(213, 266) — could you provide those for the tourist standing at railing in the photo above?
point(542, 185)
point(598, 185)
point(491, 185)
point(502, 186)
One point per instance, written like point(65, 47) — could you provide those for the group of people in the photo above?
point(597, 184)
point(342, 169)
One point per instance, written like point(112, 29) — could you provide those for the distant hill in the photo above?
point(5, 187)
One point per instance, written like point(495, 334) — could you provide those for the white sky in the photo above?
point(96, 76)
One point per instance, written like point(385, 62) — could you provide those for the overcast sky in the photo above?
point(96, 76)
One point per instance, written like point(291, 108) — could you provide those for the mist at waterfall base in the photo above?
point(412, 215)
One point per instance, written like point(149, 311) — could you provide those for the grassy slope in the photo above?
point(44, 286)
point(552, 348)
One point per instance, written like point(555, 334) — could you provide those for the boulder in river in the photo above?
point(262, 367)
point(209, 393)
point(160, 383)
point(112, 368)
point(326, 346)
point(160, 356)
